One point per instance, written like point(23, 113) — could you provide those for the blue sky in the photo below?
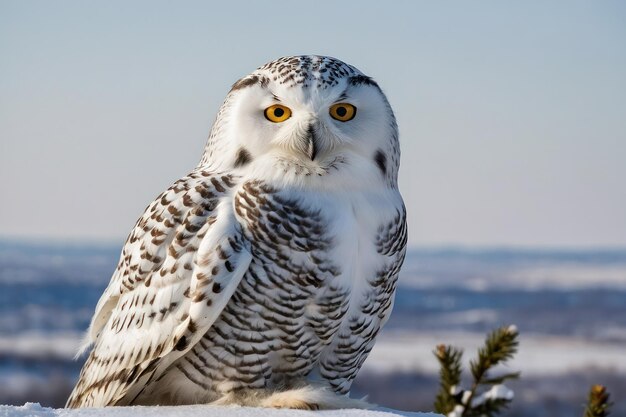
point(512, 115)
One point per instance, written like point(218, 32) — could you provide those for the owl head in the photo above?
point(300, 118)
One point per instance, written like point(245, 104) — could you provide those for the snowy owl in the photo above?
point(263, 276)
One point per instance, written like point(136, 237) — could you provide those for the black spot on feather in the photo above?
point(381, 161)
point(243, 157)
point(181, 344)
point(362, 79)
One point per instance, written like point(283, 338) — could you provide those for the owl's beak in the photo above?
point(311, 142)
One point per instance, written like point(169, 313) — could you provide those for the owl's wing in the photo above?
point(178, 269)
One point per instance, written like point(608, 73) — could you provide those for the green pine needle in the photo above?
point(500, 379)
point(598, 404)
point(500, 346)
point(450, 376)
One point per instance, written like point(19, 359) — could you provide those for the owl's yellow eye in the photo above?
point(342, 112)
point(277, 113)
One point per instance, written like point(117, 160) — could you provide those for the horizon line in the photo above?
point(69, 242)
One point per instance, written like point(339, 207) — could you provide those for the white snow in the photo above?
point(530, 275)
point(457, 412)
point(466, 396)
point(498, 391)
point(41, 345)
point(538, 354)
point(406, 351)
point(35, 410)
point(571, 277)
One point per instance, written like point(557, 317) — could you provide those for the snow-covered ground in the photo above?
point(35, 410)
point(33, 344)
point(538, 354)
point(502, 269)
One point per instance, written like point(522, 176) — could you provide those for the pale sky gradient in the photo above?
point(512, 114)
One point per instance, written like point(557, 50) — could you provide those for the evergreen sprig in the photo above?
point(449, 377)
point(500, 346)
point(598, 404)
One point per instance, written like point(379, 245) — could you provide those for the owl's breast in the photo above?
point(313, 254)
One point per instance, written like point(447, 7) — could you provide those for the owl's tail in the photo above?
point(308, 397)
